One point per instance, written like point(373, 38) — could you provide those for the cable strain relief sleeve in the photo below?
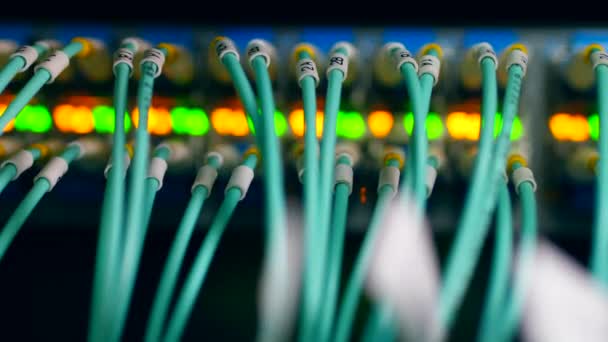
point(389, 175)
point(431, 65)
point(598, 58)
point(215, 154)
point(223, 46)
point(206, 176)
point(522, 175)
point(127, 163)
point(431, 177)
point(344, 175)
point(518, 57)
point(55, 63)
point(484, 50)
point(155, 56)
point(338, 61)
point(126, 56)
point(157, 170)
point(22, 161)
point(241, 178)
point(306, 67)
point(260, 47)
point(53, 171)
point(29, 55)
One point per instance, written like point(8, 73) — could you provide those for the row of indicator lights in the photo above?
point(574, 127)
point(80, 119)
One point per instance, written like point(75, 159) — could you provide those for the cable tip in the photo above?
point(516, 158)
point(517, 46)
point(427, 48)
point(87, 46)
point(590, 49)
point(349, 49)
point(171, 51)
point(252, 151)
point(304, 47)
point(394, 153)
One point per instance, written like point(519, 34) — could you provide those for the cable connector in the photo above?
point(217, 155)
point(22, 161)
point(400, 55)
point(224, 45)
point(89, 46)
point(517, 57)
point(55, 63)
point(53, 171)
point(484, 50)
point(155, 56)
point(307, 67)
point(260, 47)
point(241, 178)
point(521, 175)
point(393, 152)
point(389, 175)
point(598, 58)
point(29, 55)
point(89, 146)
point(344, 175)
point(349, 150)
point(205, 177)
point(157, 170)
point(178, 150)
point(123, 56)
point(431, 65)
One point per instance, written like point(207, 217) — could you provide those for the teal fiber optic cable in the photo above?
point(135, 229)
point(31, 88)
point(527, 248)
point(168, 279)
point(196, 276)
point(599, 250)
point(462, 257)
point(109, 242)
point(350, 299)
point(41, 186)
point(16, 64)
point(311, 293)
point(491, 317)
point(335, 79)
point(244, 91)
point(334, 266)
point(9, 170)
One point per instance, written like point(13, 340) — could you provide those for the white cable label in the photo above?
point(53, 171)
point(430, 64)
point(157, 170)
point(55, 63)
point(241, 178)
point(338, 61)
point(22, 161)
point(259, 47)
point(155, 56)
point(123, 55)
point(485, 50)
point(403, 56)
point(389, 175)
point(28, 53)
point(206, 177)
point(521, 175)
point(520, 58)
point(217, 155)
point(344, 175)
point(599, 58)
point(307, 67)
point(224, 46)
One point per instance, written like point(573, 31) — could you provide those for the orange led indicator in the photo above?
point(296, 121)
point(566, 127)
point(463, 125)
point(73, 119)
point(226, 121)
point(159, 120)
point(380, 123)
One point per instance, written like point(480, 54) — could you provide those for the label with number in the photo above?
point(224, 46)
point(429, 64)
point(598, 58)
point(404, 56)
point(258, 47)
point(518, 57)
point(28, 53)
point(155, 56)
point(307, 67)
point(338, 61)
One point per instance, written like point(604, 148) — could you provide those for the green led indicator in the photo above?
point(350, 125)
point(434, 125)
point(517, 129)
point(594, 126)
point(280, 124)
point(192, 121)
point(34, 118)
point(104, 119)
